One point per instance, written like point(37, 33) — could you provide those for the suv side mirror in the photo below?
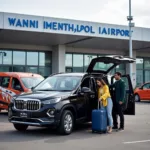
point(85, 90)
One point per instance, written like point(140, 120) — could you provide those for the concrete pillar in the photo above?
point(133, 78)
point(58, 58)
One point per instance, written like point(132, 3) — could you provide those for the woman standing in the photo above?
point(105, 97)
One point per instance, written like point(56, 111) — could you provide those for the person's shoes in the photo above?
point(110, 130)
point(121, 129)
point(115, 128)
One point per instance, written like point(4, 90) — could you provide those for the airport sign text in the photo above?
point(68, 27)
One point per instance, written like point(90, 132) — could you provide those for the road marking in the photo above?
point(133, 142)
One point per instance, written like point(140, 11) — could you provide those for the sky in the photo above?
point(103, 11)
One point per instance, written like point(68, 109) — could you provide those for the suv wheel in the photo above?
point(20, 127)
point(66, 123)
point(137, 98)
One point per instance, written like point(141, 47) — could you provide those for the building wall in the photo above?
point(25, 47)
point(94, 51)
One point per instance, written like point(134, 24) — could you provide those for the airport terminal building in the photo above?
point(46, 45)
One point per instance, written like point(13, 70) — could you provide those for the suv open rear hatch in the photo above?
point(106, 63)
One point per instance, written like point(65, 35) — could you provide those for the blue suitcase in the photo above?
point(99, 120)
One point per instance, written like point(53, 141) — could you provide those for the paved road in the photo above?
point(137, 129)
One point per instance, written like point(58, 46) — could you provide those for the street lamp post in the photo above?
point(3, 54)
point(131, 24)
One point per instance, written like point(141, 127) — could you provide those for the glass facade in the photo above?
point(142, 70)
point(26, 61)
point(79, 63)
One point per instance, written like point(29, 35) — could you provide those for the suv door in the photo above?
point(130, 102)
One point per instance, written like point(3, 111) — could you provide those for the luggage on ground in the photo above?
point(99, 120)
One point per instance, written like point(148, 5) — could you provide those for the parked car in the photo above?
point(142, 92)
point(65, 99)
point(12, 83)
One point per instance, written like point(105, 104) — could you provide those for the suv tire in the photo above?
point(137, 98)
point(66, 123)
point(20, 127)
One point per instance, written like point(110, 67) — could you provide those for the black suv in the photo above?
point(64, 99)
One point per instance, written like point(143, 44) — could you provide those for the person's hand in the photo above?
point(120, 102)
point(100, 99)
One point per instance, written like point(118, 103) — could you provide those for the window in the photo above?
point(5, 68)
point(147, 64)
point(18, 68)
point(146, 86)
point(139, 63)
point(139, 77)
point(87, 60)
point(147, 75)
point(5, 82)
point(86, 83)
point(45, 71)
point(68, 61)
point(19, 58)
point(142, 70)
point(44, 59)
point(30, 82)
point(102, 66)
point(16, 84)
point(121, 68)
point(32, 69)
point(59, 83)
point(77, 63)
point(139, 71)
point(32, 58)
point(6, 57)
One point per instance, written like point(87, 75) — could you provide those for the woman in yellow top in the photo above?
point(105, 97)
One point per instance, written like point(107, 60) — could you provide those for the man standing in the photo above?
point(119, 101)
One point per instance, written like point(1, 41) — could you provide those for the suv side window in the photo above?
point(86, 83)
point(16, 84)
point(5, 82)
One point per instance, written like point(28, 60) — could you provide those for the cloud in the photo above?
point(105, 11)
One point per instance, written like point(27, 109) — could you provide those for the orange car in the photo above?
point(14, 83)
point(143, 92)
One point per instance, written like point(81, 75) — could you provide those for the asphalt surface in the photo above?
point(135, 137)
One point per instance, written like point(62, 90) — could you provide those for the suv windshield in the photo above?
point(59, 83)
point(31, 81)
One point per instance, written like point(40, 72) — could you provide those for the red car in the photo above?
point(12, 83)
point(142, 92)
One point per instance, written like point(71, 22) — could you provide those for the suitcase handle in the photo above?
point(99, 104)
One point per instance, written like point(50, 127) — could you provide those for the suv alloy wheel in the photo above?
point(20, 127)
point(66, 123)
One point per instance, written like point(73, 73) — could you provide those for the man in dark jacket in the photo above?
point(119, 101)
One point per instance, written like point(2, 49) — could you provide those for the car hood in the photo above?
point(42, 95)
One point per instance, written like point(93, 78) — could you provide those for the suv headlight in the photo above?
point(52, 101)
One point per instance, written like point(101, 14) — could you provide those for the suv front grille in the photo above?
point(27, 105)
